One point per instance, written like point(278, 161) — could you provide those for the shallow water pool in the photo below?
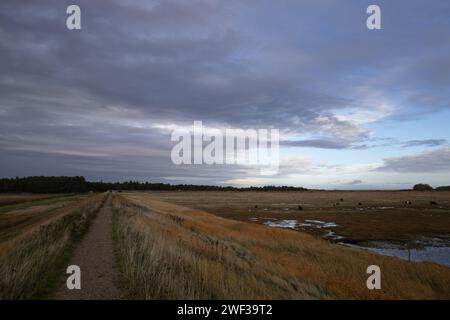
point(439, 255)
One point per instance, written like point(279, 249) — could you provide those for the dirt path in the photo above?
point(94, 256)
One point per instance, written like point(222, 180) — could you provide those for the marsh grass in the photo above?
point(30, 264)
point(158, 259)
point(9, 199)
point(382, 215)
point(167, 251)
point(25, 202)
point(16, 222)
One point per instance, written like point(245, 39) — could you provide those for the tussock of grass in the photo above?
point(166, 251)
point(30, 264)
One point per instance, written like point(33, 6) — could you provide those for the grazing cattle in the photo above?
point(408, 202)
point(300, 208)
point(433, 203)
point(256, 206)
point(359, 204)
point(341, 200)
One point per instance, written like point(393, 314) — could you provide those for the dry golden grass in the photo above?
point(31, 260)
point(170, 251)
point(16, 221)
point(15, 198)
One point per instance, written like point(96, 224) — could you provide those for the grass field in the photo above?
point(219, 245)
point(16, 219)
point(36, 241)
point(360, 217)
point(167, 250)
point(10, 199)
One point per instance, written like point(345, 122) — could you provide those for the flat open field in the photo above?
point(219, 245)
point(354, 216)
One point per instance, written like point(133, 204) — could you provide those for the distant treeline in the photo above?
point(44, 184)
point(427, 187)
point(79, 184)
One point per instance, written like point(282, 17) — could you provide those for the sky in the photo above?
point(356, 108)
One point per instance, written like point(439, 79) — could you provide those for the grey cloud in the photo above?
point(118, 168)
point(98, 91)
point(324, 144)
point(390, 142)
point(433, 161)
point(427, 143)
point(185, 75)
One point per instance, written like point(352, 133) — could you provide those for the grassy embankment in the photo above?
point(37, 241)
point(168, 251)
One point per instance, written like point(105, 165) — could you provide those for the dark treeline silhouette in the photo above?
point(422, 187)
point(44, 185)
point(79, 184)
point(427, 187)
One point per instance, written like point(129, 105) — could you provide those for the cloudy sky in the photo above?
point(355, 108)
